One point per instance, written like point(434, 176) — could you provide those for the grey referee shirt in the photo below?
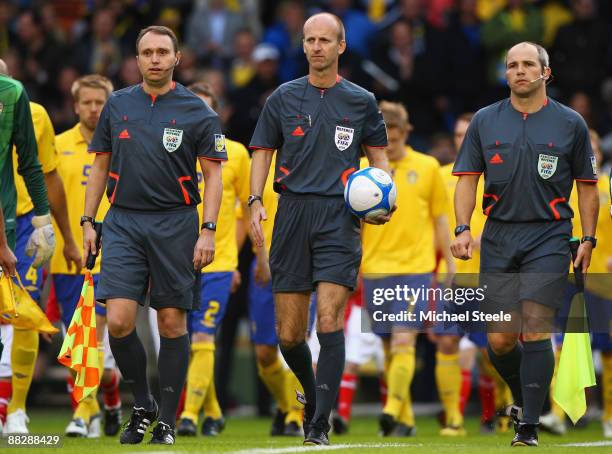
point(318, 134)
point(529, 160)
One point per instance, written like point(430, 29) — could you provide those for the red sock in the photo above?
point(6, 391)
point(70, 388)
point(111, 391)
point(382, 388)
point(466, 389)
point(486, 389)
point(181, 405)
point(348, 385)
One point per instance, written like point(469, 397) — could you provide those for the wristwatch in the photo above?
point(461, 228)
point(252, 198)
point(592, 239)
point(210, 226)
point(85, 219)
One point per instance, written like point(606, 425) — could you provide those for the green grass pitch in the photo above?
point(250, 436)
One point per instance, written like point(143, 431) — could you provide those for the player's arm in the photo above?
point(204, 252)
point(8, 261)
point(465, 202)
point(588, 204)
point(94, 191)
point(260, 166)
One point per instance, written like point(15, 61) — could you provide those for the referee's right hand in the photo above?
point(89, 241)
point(461, 247)
point(258, 214)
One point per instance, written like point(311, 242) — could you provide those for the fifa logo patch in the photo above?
point(219, 143)
point(172, 139)
point(343, 137)
point(547, 165)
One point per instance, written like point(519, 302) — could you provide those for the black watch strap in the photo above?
point(592, 239)
point(209, 226)
point(85, 219)
point(252, 198)
point(461, 228)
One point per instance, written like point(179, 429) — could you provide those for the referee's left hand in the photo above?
point(381, 218)
point(583, 256)
point(204, 250)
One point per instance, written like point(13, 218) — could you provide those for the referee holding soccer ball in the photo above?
point(531, 148)
point(318, 125)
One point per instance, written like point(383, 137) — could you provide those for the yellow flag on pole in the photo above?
point(79, 351)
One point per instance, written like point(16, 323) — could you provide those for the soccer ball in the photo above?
point(370, 192)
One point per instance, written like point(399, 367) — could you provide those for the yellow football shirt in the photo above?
point(600, 285)
point(476, 224)
point(235, 175)
point(406, 244)
point(47, 155)
point(74, 168)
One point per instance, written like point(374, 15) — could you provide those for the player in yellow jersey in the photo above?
point(494, 393)
point(24, 345)
point(215, 289)
point(598, 295)
point(90, 94)
point(402, 253)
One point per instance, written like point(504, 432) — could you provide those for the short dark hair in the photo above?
point(159, 30)
point(205, 89)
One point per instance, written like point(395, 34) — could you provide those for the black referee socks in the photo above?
point(299, 360)
point(509, 368)
point(329, 371)
point(131, 359)
point(172, 365)
point(537, 367)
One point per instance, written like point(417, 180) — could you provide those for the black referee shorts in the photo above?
point(524, 261)
point(150, 251)
point(315, 239)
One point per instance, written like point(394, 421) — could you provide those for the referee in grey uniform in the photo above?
point(318, 125)
point(147, 143)
point(531, 149)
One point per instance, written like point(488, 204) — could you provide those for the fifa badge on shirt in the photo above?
point(343, 137)
point(172, 139)
point(547, 165)
point(219, 143)
point(594, 165)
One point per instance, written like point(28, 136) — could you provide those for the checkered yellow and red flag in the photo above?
point(79, 351)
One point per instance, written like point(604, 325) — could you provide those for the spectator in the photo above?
point(211, 31)
point(100, 51)
point(286, 36)
point(242, 68)
point(580, 53)
point(517, 22)
point(248, 101)
point(7, 36)
point(129, 74)
point(187, 70)
point(41, 56)
point(61, 110)
point(466, 58)
point(359, 29)
point(216, 79)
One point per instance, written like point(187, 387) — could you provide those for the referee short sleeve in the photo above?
point(374, 130)
point(102, 141)
point(211, 142)
point(584, 166)
point(268, 133)
point(470, 158)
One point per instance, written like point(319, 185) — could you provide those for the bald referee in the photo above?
point(530, 148)
point(318, 125)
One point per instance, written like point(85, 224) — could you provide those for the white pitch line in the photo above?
point(586, 444)
point(298, 449)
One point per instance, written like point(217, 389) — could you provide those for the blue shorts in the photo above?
point(262, 314)
point(261, 311)
point(31, 277)
point(215, 295)
point(479, 339)
point(380, 307)
point(68, 292)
